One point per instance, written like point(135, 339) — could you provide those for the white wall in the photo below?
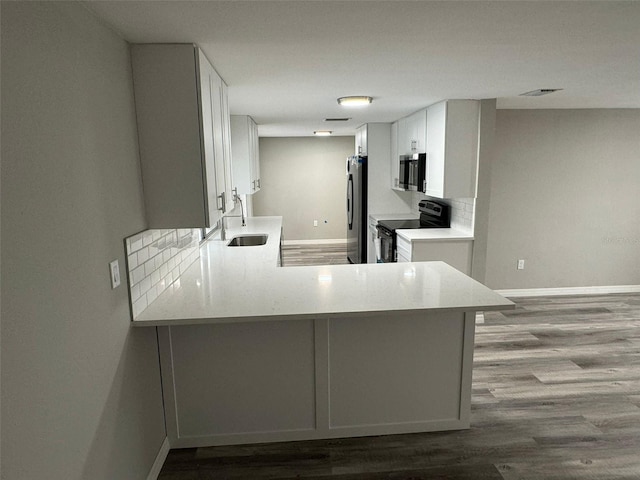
point(565, 197)
point(81, 395)
point(304, 179)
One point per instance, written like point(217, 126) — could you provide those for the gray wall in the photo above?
point(304, 179)
point(81, 394)
point(565, 197)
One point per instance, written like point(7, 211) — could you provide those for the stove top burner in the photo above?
point(396, 224)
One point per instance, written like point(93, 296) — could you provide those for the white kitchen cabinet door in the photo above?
point(404, 137)
point(452, 148)
point(226, 145)
point(395, 159)
point(211, 81)
point(361, 140)
point(177, 120)
point(412, 132)
point(418, 131)
point(455, 253)
point(245, 152)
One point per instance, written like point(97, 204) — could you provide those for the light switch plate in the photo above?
point(114, 268)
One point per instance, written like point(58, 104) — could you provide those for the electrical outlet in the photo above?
point(114, 268)
point(315, 223)
point(521, 264)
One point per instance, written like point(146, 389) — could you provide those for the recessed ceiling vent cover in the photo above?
point(540, 92)
point(337, 119)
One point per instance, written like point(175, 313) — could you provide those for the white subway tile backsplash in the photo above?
point(147, 238)
point(155, 277)
point(145, 285)
point(135, 292)
point(152, 294)
point(137, 275)
point(156, 259)
point(139, 305)
point(136, 242)
point(133, 260)
point(149, 267)
point(462, 213)
point(143, 255)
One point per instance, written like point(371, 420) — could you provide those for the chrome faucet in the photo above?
point(223, 222)
point(237, 197)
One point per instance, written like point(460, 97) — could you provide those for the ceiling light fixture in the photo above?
point(540, 92)
point(357, 101)
point(323, 133)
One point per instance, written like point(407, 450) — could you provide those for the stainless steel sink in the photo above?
point(248, 240)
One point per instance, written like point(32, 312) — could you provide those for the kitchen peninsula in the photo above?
point(252, 352)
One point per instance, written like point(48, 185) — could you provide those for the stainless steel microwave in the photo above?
point(413, 169)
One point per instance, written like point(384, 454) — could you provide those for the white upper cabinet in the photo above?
point(412, 131)
point(395, 164)
point(186, 171)
point(221, 133)
point(361, 140)
point(452, 148)
point(246, 154)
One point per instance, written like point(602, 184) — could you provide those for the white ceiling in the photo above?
point(287, 62)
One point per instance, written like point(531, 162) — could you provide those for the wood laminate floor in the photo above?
point(556, 396)
point(322, 254)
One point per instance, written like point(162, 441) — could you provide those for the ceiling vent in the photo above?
point(540, 92)
point(337, 119)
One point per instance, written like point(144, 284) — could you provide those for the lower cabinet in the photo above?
point(303, 379)
point(456, 253)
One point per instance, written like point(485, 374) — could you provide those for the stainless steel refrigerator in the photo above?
point(357, 209)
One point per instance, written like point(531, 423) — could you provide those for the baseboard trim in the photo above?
point(159, 461)
point(543, 292)
point(314, 242)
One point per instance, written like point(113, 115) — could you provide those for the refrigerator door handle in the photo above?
point(350, 201)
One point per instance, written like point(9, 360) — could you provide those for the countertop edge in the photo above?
point(317, 316)
point(413, 235)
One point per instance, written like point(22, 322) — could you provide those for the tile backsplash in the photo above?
point(462, 210)
point(155, 261)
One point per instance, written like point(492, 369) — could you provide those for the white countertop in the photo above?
point(241, 284)
point(432, 234)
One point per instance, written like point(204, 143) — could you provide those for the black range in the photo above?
point(432, 215)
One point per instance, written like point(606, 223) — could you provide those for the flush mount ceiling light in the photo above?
point(357, 101)
point(323, 133)
point(540, 92)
